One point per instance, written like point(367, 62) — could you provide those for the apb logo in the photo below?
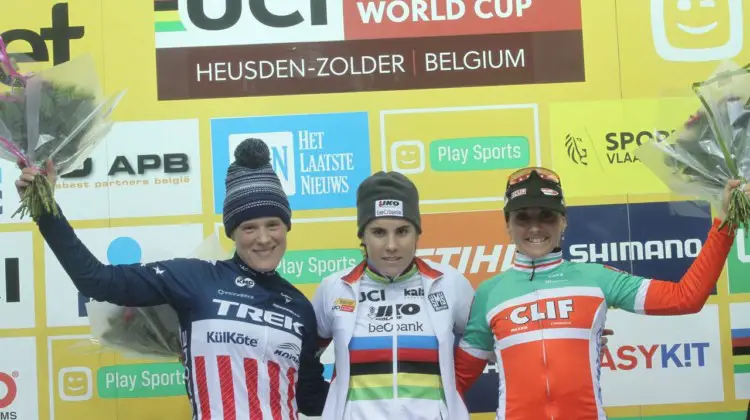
point(576, 152)
point(60, 33)
point(169, 163)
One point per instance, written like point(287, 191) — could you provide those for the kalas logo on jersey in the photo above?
point(258, 316)
point(414, 293)
point(653, 240)
point(655, 356)
point(474, 243)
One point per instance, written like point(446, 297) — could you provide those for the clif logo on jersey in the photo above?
point(244, 282)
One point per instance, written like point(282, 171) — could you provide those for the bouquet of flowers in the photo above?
point(57, 115)
point(151, 332)
point(712, 147)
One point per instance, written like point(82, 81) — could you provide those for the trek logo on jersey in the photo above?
point(414, 293)
point(258, 316)
point(244, 282)
point(438, 301)
point(386, 312)
point(389, 208)
point(372, 296)
point(344, 305)
point(227, 337)
point(552, 309)
point(654, 356)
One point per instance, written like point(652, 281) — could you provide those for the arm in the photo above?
point(475, 348)
point(659, 297)
point(323, 316)
point(312, 388)
point(124, 285)
point(462, 304)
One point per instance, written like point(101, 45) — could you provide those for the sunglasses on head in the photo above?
point(524, 174)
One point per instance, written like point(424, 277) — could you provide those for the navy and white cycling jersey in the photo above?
point(249, 339)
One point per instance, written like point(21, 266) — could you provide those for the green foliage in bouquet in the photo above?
point(63, 118)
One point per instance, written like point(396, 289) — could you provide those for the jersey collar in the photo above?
point(424, 269)
point(548, 262)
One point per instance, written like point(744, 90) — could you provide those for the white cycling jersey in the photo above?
point(393, 342)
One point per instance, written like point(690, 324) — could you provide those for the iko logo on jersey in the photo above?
point(655, 356)
point(227, 337)
point(258, 316)
point(385, 312)
point(655, 240)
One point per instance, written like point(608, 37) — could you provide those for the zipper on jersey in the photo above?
point(544, 347)
point(394, 349)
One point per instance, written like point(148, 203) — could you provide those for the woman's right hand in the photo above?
point(28, 173)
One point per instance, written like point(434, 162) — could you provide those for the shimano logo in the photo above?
point(258, 316)
point(226, 337)
point(242, 295)
point(636, 251)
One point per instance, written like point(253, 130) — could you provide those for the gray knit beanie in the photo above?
point(387, 194)
point(253, 189)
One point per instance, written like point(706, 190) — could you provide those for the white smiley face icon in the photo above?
point(718, 19)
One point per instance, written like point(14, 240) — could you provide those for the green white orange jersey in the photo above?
point(541, 322)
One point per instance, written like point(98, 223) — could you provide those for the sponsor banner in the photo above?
point(52, 33)
point(474, 243)
point(644, 366)
point(738, 264)
point(739, 321)
point(210, 23)
point(19, 398)
point(440, 18)
point(679, 42)
point(155, 164)
point(114, 246)
point(88, 387)
point(225, 71)
point(653, 240)
point(593, 143)
point(17, 302)
point(450, 153)
point(320, 158)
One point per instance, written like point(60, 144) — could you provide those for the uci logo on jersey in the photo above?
point(244, 282)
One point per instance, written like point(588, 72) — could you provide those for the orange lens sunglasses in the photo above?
point(524, 174)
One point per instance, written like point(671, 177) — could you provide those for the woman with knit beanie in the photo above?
point(393, 318)
point(249, 337)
